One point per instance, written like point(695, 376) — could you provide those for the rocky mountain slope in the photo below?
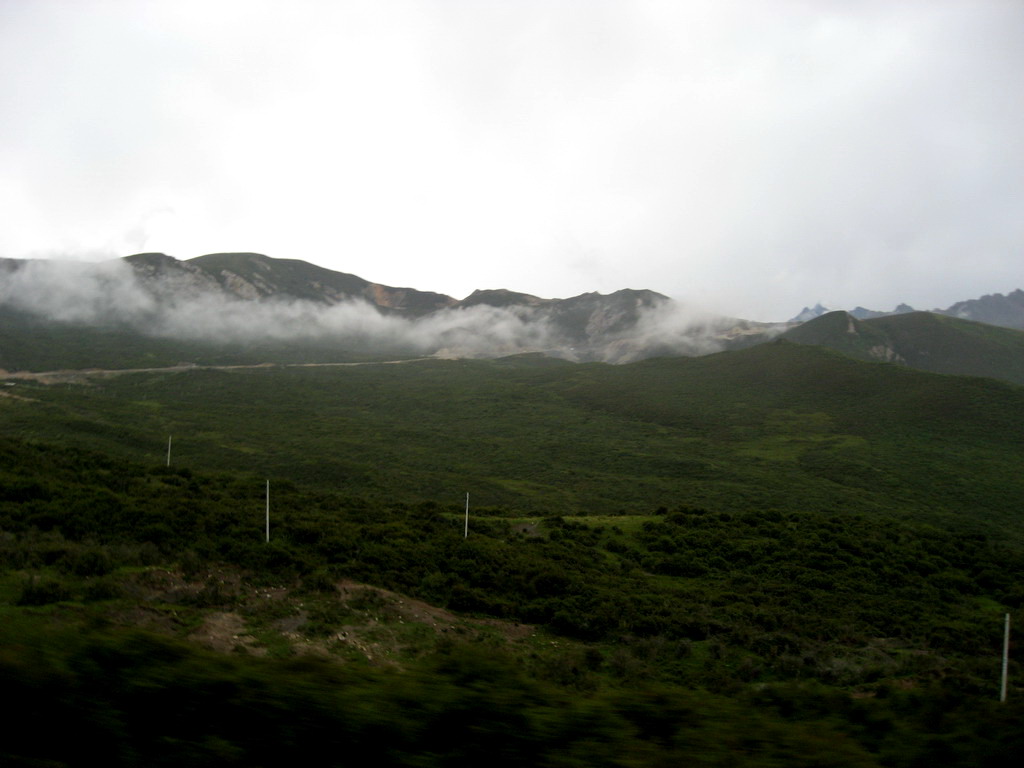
point(253, 276)
point(248, 297)
point(994, 309)
point(286, 310)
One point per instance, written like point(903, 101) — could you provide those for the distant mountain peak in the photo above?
point(809, 313)
point(994, 309)
point(867, 314)
point(501, 297)
point(150, 258)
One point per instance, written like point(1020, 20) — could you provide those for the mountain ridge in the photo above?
point(290, 310)
point(239, 296)
point(992, 309)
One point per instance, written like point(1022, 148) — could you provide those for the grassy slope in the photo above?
point(923, 340)
point(763, 598)
point(950, 345)
point(777, 426)
point(870, 435)
point(780, 616)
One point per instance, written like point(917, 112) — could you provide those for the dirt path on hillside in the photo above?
point(78, 374)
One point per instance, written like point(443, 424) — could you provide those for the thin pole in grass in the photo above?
point(268, 511)
point(1006, 657)
point(465, 533)
point(169, 450)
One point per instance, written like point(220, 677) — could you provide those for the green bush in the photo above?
point(43, 590)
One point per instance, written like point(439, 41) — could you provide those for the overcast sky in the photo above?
point(745, 157)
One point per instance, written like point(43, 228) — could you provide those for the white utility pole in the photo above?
point(466, 532)
point(169, 450)
point(268, 511)
point(1006, 657)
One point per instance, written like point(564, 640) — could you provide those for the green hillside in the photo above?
point(776, 556)
point(923, 340)
point(761, 638)
point(950, 345)
point(777, 426)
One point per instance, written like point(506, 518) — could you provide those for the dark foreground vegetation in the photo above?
point(773, 558)
point(759, 639)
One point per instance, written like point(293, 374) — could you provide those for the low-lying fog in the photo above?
point(112, 294)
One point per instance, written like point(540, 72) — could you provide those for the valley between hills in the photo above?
point(788, 553)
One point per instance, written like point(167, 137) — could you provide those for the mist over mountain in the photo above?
point(271, 304)
point(239, 297)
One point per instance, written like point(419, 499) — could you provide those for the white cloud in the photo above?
point(755, 157)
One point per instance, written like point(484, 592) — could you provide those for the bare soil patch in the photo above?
point(226, 632)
